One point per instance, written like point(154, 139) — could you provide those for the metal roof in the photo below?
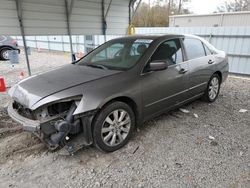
point(49, 17)
point(64, 17)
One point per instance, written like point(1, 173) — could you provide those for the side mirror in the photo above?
point(157, 66)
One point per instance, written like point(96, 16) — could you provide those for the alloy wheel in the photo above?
point(5, 54)
point(116, 127)
point(213, 88)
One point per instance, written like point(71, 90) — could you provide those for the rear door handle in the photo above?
point(210, 61)
point(182, 71)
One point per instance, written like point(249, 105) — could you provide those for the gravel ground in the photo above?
point(173, 150)
point(39, 62)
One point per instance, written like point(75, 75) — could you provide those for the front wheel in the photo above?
point(213, 88)
point(113, 126)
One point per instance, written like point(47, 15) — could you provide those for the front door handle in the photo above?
point(210, 61)
point(182, 71)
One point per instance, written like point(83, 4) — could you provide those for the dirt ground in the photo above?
point(174, 150)
point(41, 61)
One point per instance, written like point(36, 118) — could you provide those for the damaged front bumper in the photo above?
point(37, 127)
point(28, 124)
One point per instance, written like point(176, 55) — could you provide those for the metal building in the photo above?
point(49, 17)
point(64, 17)
point(211, 20)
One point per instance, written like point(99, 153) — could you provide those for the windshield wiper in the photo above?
point(97, 66)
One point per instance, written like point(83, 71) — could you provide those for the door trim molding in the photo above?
point(150, 104)
point(197, 85)
point(166, 98)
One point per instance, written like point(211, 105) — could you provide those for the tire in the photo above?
point(3, 55)
point(212, 91)
point(110, 134)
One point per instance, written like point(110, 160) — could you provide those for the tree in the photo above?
point(180, 5)
point(157, 13)
point(234, 6)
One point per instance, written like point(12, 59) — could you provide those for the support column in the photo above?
point(68, 14)
point(20, 19)
point(104, 23)
point(136, 8)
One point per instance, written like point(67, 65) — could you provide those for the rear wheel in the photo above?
point(4, 54)
point(113, 126)
point(213, 88)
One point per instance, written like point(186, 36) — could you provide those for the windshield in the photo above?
point(117, 55)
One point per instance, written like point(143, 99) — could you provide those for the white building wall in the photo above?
point(211, 20)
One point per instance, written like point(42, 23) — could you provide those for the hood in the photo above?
point(31, 90)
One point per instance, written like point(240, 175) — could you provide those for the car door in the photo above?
point(164, 89)
point(200, 65)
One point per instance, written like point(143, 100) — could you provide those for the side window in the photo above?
point(207, 50)
point(169, 51)
point(194, 48)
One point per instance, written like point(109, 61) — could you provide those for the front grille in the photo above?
point(25, 112)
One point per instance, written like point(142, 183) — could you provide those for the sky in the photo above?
point(200, 6)
point(204, 6)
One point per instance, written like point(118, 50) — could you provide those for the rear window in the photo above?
point(194, 48)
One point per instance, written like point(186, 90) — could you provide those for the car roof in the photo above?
point(155, 36)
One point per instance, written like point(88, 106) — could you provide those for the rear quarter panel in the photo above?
point(222, 64)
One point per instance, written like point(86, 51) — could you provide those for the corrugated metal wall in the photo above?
point(211, 20)
point(48, 17)
point(81, 43)
point(57, 43)
point(233, 40)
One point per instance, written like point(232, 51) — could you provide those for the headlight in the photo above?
point(20, 95)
